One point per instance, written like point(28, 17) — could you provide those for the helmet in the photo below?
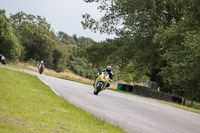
point(41, 62)
point(108, 68)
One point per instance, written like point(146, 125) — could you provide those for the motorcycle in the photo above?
point(41, 69)
point(3, 62)
point(101, 82)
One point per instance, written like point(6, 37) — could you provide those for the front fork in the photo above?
point(95, 85)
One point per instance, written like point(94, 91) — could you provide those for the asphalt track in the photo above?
point(133, 114)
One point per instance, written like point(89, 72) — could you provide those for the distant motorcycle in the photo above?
point(41, 69)
point(3, 62)
point(101, 82)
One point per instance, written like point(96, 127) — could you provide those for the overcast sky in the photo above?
point(63, 15)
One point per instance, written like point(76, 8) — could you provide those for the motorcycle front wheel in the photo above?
point(40, 71)
point(97, 90)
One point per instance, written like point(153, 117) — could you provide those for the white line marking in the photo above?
point(48, 85)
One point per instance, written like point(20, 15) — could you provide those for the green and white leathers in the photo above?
point(101, 82)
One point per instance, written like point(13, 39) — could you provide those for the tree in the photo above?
point(39, 41)
point(182, 54)
point(149, 34)
point(79, 65)
point(75, 38)
point(85, 40)
point(64, 38)
point(9, 46)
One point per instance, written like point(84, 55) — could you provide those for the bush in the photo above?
point(33, 62)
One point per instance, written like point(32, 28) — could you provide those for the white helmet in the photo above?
point(41, 62)
point(108, 68)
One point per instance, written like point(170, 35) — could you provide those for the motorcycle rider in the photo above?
point(41, 63)
point(3, 60)
point(108, 69)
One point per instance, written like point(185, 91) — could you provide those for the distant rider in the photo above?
point(3, 60)
point(108, 69)
point(41, 64)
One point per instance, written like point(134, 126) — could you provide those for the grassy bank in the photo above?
point(28, 105)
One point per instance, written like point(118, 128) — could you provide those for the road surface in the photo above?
point(133, 114)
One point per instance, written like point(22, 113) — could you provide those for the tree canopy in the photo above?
point(64, 38)
point(27, 37)
point(159, 39)
point(9, 45)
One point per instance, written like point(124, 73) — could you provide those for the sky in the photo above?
point(63, 15)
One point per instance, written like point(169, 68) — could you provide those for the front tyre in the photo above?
point(97, 90)
point(40, 71)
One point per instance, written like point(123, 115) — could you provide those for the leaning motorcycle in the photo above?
point(41, 69)
point(101, 82)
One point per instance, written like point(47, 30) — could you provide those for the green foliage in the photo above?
point(181, 46)
point(159, 39)
point(67, 39)
point(64, 38)
point(85, 40)
point(9, 46)
point(60, 58)
point(75, 38)
point(183, 66)
point(39, 41)
point(79, 65)
point(34, 36)
point(33, 62)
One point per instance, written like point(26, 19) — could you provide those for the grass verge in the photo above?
point(28, 105)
